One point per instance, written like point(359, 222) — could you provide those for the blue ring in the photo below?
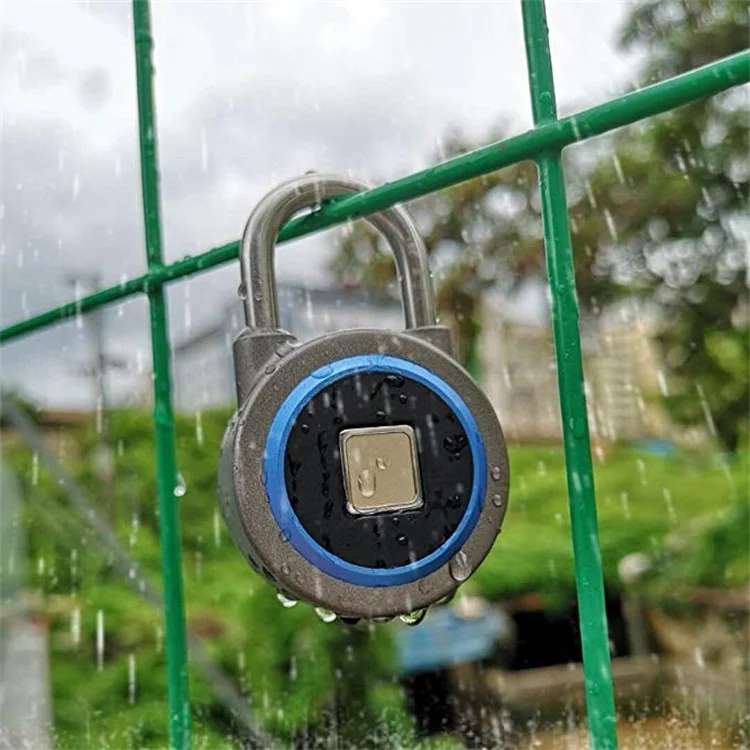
point(275, 484)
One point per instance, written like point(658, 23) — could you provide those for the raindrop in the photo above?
point(199, 428)
point(496, 473)
point(670, 505)
point(325, 614)
point(625, 504)
point(497, 500)
point(180, 488)
point(131, 679)
point(99, 640)
point(286, 602)
point(590, 195)
point(381, 463)
point(413, 618)
point(459, 566)
point(618, 168)
point(217, 528)
point(611, 228)
point(403, 398)
point(75, 626)
point(662, 383)
point(402, 539)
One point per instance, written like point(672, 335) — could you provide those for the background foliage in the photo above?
point(306, 679)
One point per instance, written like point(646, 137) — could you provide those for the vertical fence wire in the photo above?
point(560, 271)
point(164, 431)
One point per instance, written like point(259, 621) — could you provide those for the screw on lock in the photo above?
point(364, 471)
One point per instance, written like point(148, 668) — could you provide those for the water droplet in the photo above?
point(285, 569)
point(180, 488)
point(286, 602)
point(242, 291)
point(394, 381)
point(99, 640)
point(381, 463)
point(75, 626)
point(270, 369)
point(413, 618)
point(459, 566)
point(217, 528)
point(497, 500)
point(131, 679)
point(496, 474)
point(325, 614)
point(403, 398)
point(402, 539)
point(366, 482)
point(380, 416)
point(305, 428)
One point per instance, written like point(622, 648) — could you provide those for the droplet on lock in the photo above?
point(366, 483)
point(459, 566)
point(496, 473)
point(413, 618)
point(381, 463)
point(325, 614)
point(286, 602)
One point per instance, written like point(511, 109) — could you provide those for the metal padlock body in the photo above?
point(282, 482)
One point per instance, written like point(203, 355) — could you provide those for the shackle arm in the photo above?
point(281, 203)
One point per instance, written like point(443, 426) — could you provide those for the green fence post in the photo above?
point(166, 463)
point(560, 270)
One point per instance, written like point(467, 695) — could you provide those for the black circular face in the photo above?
point(315, 479)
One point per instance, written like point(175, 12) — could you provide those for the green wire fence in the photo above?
point(544, 144)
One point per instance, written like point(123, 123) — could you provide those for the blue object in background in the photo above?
point(444, 639)
point(655, 446)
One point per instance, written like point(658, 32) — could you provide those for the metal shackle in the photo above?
point(281, 203)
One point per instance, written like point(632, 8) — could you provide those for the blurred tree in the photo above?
point(662, 213)
point(670, 212)
point(478, 234)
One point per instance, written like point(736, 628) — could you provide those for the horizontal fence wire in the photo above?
point(625, 110)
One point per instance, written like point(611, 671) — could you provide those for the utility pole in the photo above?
point(96, 369)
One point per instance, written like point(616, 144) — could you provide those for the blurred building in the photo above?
point(621, 361)
point(203, 370)
point(621, 365)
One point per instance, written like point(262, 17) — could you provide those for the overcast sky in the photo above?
point(247, 94)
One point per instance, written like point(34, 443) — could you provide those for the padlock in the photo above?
point(364, 472)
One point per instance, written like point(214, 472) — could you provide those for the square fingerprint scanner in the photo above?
point(381, 469)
